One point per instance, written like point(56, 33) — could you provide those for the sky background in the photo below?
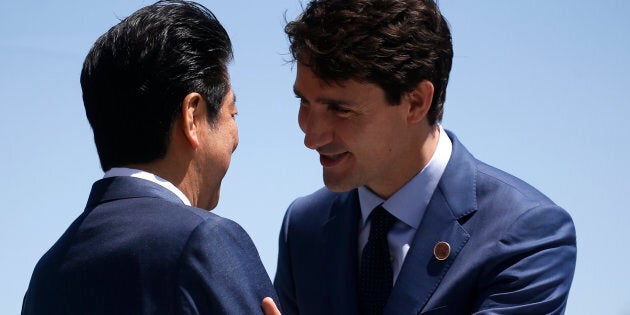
point(538, 88)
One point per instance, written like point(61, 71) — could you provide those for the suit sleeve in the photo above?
point(220, 272)
point(532, 270)
point(284, 282)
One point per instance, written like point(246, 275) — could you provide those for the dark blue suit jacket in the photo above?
point(513, 250)
point(137, 249)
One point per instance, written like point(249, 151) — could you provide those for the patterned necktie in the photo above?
point(376, 275)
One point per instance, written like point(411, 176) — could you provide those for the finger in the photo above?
point(269, 307)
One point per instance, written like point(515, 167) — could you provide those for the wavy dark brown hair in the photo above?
point(395, 44)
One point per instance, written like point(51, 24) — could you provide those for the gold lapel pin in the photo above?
point(442, 250)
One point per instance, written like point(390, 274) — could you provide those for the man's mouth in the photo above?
point(330, 160)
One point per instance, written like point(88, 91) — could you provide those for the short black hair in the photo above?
point(137, 74)
point(391, 43)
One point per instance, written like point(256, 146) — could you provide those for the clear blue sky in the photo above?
point(538, 88)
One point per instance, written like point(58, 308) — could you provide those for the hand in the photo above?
point(269, 307)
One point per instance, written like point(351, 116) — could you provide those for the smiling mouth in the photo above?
point(330, 160)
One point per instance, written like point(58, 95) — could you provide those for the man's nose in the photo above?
point(317, 128)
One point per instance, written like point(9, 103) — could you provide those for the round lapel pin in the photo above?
point(442, 250)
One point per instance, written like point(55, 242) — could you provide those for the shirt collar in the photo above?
point(409, 203)
point(132, 172)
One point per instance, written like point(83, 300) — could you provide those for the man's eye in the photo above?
point(339, 109)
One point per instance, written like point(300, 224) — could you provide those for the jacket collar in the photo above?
point(454, 198)
point(125, 187)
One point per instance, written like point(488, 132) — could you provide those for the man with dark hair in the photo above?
point(409, 221)
point(157, 94)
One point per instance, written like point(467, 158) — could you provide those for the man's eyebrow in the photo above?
point(325, 100)
point(337, 101)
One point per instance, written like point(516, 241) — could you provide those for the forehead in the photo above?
point(306, 77)
point(229, 99)
point(308, 85)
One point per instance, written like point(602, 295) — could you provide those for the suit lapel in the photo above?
point(340, 234)
point(454, 198)
point(422, 272)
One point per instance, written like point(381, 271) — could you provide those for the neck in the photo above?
point(174, 171)
point(421, 146)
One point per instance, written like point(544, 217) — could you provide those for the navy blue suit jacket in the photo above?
point(137, 249)
point(513, 250)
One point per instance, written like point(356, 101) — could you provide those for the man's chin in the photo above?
point(338, 186)
point(212, 203)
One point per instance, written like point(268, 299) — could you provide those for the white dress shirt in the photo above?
point(122, 171)
point(408, 204)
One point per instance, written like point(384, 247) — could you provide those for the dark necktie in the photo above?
point(376, 275)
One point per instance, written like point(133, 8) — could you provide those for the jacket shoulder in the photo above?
point(492, 181)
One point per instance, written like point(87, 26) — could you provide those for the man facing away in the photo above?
point(409, 221)
point(157, 94)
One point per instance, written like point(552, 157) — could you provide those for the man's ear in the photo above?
point(192, 110)
point(420, 100)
